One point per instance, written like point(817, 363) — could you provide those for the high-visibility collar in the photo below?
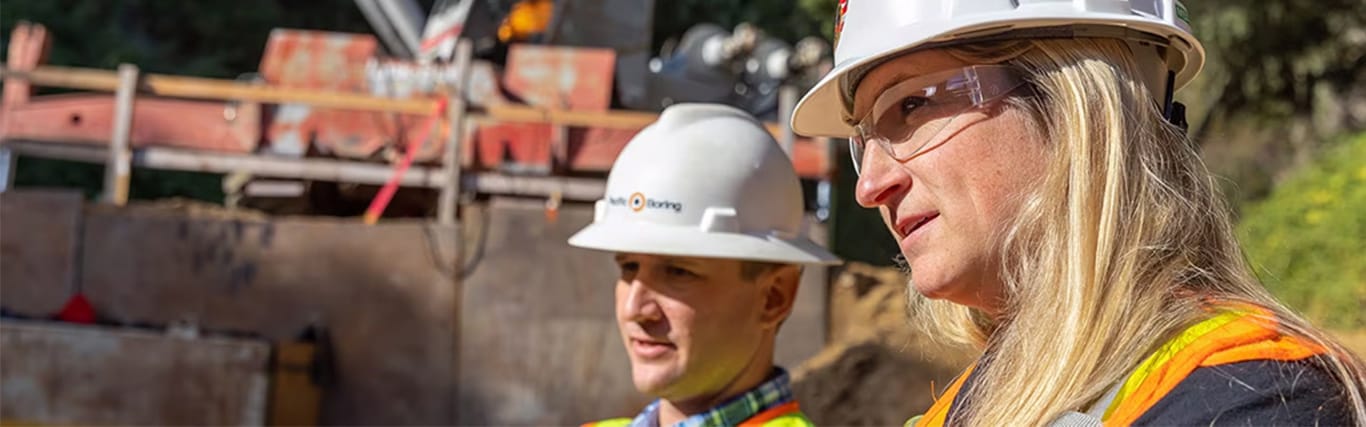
point(1237, 334)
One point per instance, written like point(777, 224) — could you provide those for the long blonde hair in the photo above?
point(1116, 249)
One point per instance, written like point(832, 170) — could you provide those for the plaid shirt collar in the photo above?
point(772, 393)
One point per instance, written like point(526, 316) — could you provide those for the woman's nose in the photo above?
point(880, 178)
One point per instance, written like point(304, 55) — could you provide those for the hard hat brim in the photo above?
point(646, 238)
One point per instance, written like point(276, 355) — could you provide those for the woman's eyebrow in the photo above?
point(898, 77)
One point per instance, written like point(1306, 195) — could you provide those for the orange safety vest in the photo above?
point(1230, 337)
point(785, 415)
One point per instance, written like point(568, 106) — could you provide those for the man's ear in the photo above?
point(780, 294)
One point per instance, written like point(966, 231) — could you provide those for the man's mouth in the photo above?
point(650, 348)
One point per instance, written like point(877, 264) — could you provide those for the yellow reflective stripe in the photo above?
point(613, 422)
point(1165, 353)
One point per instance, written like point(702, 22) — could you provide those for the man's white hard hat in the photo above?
point(705, 180)
point(869, 32)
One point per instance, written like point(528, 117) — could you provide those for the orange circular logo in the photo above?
point(637, 202)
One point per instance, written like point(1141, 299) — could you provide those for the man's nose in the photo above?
point(881, 178)
point(640, 304)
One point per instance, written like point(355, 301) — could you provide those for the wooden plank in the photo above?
point(62, 374)
point(217, 89)
point(455, 113)
point(118, 168)
point(384, 293)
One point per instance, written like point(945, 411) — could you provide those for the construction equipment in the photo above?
point(481, 119)
point(536, 107)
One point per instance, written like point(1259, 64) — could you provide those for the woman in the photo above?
point(1023, 156)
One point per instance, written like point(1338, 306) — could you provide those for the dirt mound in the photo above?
point(877, 370)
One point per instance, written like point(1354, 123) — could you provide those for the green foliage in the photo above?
point(1271, 57)
point(1307, 239)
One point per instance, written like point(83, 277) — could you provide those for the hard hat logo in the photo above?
point(638, 202)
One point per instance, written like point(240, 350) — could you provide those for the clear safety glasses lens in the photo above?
point(910, 115)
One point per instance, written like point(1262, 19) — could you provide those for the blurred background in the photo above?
point(449, 307)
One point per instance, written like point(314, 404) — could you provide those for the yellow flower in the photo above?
point(1321, 197)
point(1313, 217)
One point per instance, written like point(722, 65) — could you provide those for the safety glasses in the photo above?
point(909, 115)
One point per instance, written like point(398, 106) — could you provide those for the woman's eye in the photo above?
point(911, 103)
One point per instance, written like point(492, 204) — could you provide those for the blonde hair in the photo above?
point(1120, 246)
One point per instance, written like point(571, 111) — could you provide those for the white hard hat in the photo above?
point(704, 180)
point(869, 32)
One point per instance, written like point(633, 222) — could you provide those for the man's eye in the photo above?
point(628, 267)
point(678, 272)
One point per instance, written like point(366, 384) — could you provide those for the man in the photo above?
point(702, 211)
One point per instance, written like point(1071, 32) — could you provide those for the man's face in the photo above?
point(690, 325)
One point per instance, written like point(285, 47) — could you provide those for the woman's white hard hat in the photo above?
point(705, 180)
point(868, 32)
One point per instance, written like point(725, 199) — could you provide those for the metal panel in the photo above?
point(625, 26)
point(561, 77)
point(385, 293)
point(317, 59)
point(537, 323)
point(38, 250)
point(82, 375)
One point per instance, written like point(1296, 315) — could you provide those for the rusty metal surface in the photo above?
point(595, 149)
point(82, 375)
point(484, 88)
point(386, 294)
point(347, 62)
point(561, 77)
point(317, 59)
point(78, 118)
point(512, 147)
point(39, 231)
